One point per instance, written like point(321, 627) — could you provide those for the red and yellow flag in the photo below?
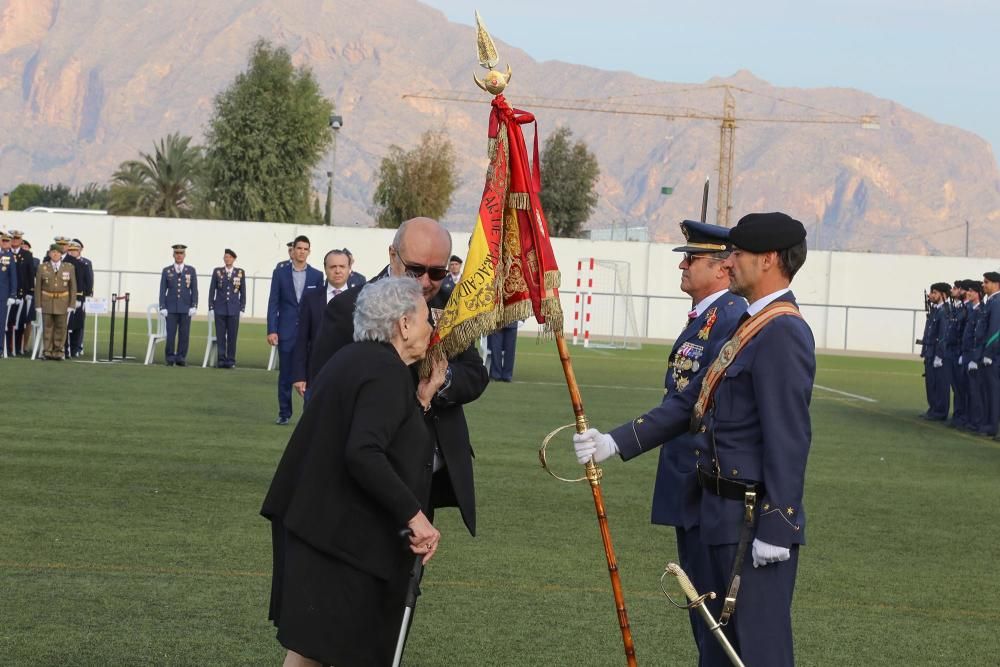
point(510, 271)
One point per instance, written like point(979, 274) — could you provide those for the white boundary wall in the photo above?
point(853, 293)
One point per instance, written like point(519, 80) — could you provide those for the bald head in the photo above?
point(421, 243)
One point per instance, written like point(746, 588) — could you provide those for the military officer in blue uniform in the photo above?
point(712, 320)
point(953, 348)
point(454, 274)
point(84, 289)
point(991, 354)
point(227, 298)
point(354, 279)
point(972, 355)
point(25, 281)
point(753, 406)
point(8, 289)
point(937, 381)
point(178, 303)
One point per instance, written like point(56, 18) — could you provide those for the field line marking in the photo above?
point(844, 393)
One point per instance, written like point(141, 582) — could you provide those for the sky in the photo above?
point(939, 59)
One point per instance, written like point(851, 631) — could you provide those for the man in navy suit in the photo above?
point(178, 303)
point(289, 284)
point(227, 298)
point(337, 266)
point(753, 404)
point(84, 289)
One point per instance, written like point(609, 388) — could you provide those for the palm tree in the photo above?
point(161, 184)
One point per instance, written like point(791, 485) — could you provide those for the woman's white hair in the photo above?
point(381, 304)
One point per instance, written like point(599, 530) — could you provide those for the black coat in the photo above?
point(310, 315)
point(447, 419)
point(358, 466)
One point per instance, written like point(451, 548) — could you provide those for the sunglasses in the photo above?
point(435, 273)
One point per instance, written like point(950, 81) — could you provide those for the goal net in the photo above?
point(604, 310)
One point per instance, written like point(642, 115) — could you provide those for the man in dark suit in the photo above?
point(754, 405)
point(227, 299)
point(336, 265)
point(289, 284)
point(421, 249)
point(84, 289)
point(178, 304)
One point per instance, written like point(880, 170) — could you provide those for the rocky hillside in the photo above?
point(87, 84)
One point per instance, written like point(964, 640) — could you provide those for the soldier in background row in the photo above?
point(55, 301)
point(26, 267)
point(8, 287)
point(178, 304)
point(227, 299)
point(937, 381)
point(355, 279)
point(958, 314)
point(991, 355)
point(84, 289)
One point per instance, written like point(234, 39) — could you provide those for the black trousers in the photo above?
point(226, 329)
point(178, 332)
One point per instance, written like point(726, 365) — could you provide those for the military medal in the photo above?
point(709, 323)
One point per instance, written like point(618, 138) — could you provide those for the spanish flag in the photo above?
point(510, 271)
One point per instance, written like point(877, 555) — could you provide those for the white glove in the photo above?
point(163, 311)
point(764, 553)
point(79, 303)
point(192, 311)
point(19, 301)
point(10, 301)
point(71, 310)
point(960, 360)
point(593, 443)
point(39, 311)
point(938, 362)
point(987, 361)
point(973, 366)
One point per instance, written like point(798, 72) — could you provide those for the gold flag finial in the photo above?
point(494, 82)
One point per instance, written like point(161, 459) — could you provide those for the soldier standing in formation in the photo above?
point(55, 300)
point(227, 298)
point(178, 303)
point(354, 279)
point(84, 289)
point(937, 374)
point(991, 355)
point(25, 289)
point(8, 288)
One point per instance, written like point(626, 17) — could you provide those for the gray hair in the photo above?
point(381, 304)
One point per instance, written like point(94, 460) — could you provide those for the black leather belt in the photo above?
point(727, 488)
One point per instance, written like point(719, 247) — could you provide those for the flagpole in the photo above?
point(594, 477)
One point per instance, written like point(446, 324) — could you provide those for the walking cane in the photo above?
point(697, 602)
point(412, 592)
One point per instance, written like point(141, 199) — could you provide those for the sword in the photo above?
point(697, 602)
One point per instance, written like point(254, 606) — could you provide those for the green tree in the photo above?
point(269, 130)
point(569, 177)
point(418, 182)
point(161, 184)
point(25, 195)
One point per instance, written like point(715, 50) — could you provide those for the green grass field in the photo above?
point(131, 534)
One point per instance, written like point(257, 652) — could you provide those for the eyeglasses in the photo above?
point(435, 273)
point(690, 257)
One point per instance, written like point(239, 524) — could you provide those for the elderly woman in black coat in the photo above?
point(354, 477)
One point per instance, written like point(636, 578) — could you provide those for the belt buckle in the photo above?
point(749, 501)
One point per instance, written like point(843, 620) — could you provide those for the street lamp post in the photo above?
point(336, 122)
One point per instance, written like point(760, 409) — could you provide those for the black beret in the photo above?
point(230, 252)
point(992, 276)
point(944, 288)
point(455, 258)
point(764, 232)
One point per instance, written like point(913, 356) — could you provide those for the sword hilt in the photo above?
point(690, 592)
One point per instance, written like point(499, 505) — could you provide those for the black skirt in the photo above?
point(330, 611)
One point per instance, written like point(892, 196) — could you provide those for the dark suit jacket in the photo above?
point(310, 317)
point(358, 466)
point(283, 305)
point(761, 426)
point(447, 419)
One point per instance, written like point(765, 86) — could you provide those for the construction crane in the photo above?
point(727, 121)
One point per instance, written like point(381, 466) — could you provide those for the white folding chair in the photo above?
point(212, 346)
point(272, 361)
point(37, 336)
point(157, 334)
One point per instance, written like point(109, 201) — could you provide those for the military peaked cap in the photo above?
point(179, 246)
point(701, 237)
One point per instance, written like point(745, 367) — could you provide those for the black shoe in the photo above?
point(170, 363)
point(181, 362)
point(281, 421)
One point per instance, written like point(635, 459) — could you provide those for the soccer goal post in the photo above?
point(603, 308)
